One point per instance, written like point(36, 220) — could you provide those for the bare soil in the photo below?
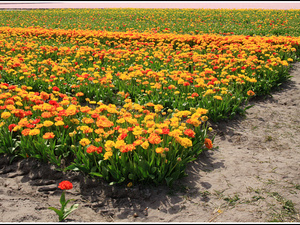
point(252, 175)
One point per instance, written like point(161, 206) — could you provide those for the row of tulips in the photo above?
point(189, 21)
point(139, 143)
point(176, 71)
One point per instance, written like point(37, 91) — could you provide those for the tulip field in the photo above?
point(127, 95)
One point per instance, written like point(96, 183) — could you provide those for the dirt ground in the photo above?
point(253, 175)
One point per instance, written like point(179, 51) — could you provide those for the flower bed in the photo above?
point(128, 106)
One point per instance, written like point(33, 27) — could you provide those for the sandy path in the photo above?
point(153, 4)
point(253, 176)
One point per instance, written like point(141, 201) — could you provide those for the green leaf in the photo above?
point(121, 180)
point(65, 154)
point(96, 174)
point(114, 174)
point(152, 176)
point(153, 169)
point(12, 158)
point(105, 172)
point(94, 168)
point(131, 176)
point(175, 175)
point(58, 212)
point(68, 211)
point(62, 200)
point(72, 167)
point(143, 167)
point(191, 159)
point(169, 180)
point(248, 107)
point(37, 156)
point(68, 202)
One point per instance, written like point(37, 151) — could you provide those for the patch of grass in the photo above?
point(269, 138)
point(293, 192)
point(253, 128)
point(275, 220)
point(204, 193)
point(289, 206)
point(270, 181)
point(219, 194)
point(286, 213)
point(273, 170)
point(253, 199)
point(257, 197)
point(251, 189)
point(232, 200)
